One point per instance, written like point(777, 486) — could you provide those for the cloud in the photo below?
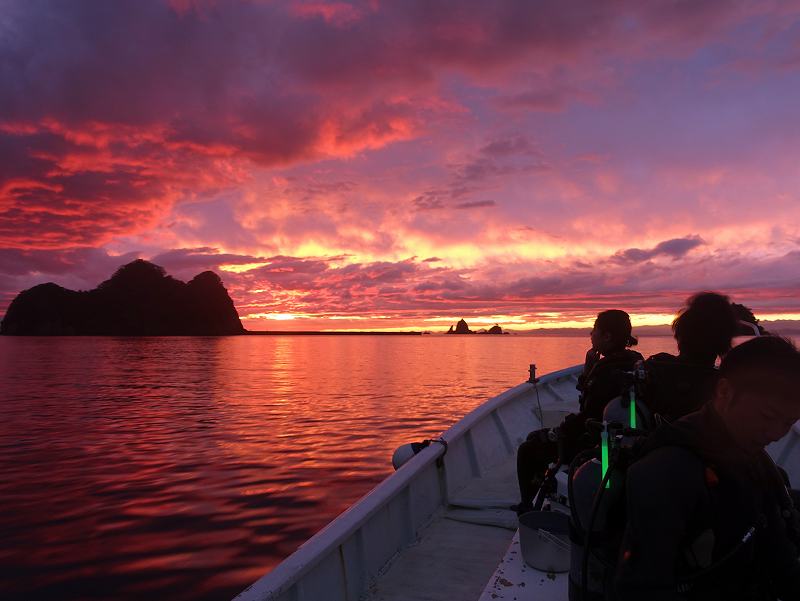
point(59, 190)
point(117, 113)
point(331, 140)
point(675, 248)
point(502, 157)
point(413, 289)
point(510, 146)
point(476, 204)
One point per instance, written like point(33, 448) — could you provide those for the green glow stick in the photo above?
point(604, 456)
point(633, 409)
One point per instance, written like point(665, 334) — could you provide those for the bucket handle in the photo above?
point(544, 534)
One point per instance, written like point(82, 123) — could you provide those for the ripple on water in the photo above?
point(185, 468)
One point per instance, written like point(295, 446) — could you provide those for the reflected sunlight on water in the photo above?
point(187, 467)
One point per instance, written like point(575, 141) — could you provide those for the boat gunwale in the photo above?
point(291, 570)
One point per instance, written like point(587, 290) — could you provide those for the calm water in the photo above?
point(185, 468)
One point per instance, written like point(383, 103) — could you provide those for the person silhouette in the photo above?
point(704, 329)
point(708, 515)
point(602, 380)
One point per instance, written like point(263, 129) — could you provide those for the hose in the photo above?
point(685, 583)
point(587, 539)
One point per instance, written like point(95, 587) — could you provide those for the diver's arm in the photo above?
point(592, 357)
point(664, 490)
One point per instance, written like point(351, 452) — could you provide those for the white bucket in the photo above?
point(544, 540)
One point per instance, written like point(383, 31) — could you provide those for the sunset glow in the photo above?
point(393, 166)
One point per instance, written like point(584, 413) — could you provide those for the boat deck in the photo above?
point(456, 555)
point(451, 561)
point(514, 580)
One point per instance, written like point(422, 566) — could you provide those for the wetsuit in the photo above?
point(599, 383)
point(677, 386)
point(690, 501)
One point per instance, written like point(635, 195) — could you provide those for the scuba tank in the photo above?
point(586, 488)
point(628, 408)
point(596, 490)
point(596, 485)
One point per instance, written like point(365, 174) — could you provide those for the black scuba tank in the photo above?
point(592, 507)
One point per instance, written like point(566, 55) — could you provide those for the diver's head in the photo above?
point(758, 391)
point(705, 327)
point(612, 331)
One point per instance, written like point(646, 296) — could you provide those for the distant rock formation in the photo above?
point(138, 300)
point(461, 328)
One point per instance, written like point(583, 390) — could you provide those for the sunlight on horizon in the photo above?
point(439, 324)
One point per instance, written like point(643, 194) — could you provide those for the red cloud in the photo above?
point(114, 114)
point(418, 288)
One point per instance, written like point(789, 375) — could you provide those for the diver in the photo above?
point(704, 330)
point(708, 515)
point(602, 379)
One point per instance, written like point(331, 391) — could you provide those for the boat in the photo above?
point(439, 528)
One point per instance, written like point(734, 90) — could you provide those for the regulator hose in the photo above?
point(685, 584)
point(587, 537)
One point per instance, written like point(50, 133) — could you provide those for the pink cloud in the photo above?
point(336, 13)
point(383, 131)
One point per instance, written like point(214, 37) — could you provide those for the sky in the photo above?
point(400, 165)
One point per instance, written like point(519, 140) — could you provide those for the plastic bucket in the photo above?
point(544, 540)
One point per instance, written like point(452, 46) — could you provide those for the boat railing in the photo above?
point(340, 561)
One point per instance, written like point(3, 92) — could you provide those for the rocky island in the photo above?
point(140, 299)
point(462, 328)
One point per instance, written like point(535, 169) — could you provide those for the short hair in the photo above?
point(752, 363)
point(617, 323)
point(706, 325)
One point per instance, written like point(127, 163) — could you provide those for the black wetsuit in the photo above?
point(677, 386)
point(599, 384)
point(690, 501)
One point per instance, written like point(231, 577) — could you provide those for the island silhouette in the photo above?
point(140, 299)
point(463, 328)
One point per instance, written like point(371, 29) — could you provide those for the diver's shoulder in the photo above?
point(667, 465)
point(619, 359)
point(664, 358)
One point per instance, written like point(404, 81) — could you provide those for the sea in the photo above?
point(186, 468)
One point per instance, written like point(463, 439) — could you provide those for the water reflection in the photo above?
point(184, 468)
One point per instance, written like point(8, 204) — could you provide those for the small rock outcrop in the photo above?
point(495, 329)
point(461, 328)
point(138, 300)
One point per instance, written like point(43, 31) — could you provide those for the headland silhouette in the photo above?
point(140, 299)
